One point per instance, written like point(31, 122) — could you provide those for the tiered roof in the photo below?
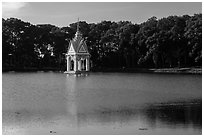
point(77, 44)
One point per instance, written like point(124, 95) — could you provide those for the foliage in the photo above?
point(175, 41)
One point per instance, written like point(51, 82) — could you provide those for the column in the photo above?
point(87, 64)
point(79, 65)
point(68, 63)
point(75, 64)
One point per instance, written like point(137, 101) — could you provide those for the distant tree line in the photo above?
point(174, 41)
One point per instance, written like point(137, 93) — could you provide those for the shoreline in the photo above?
point(192, 70)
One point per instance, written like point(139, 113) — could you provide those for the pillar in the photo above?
point(79, 65)
point(68, 63)
point(75, 64)
point(87, 64)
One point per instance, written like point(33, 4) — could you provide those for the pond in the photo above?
point(101, 103)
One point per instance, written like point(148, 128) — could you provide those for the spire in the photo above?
point(78, 25)
point(78, 34)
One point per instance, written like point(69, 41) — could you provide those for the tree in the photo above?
point(193, 33)
point(174, 41)
point(145, 36)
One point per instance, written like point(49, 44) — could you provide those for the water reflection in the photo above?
point(71, 94)
point(174, 114)
point(151, 118)
point(101, 104)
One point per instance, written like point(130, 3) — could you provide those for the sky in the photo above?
point(62, 14)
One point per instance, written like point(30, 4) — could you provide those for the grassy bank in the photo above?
point(178, 70)
point(192, 70)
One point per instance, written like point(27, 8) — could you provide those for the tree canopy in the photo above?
point(174, 41)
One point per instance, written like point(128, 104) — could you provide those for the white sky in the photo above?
point(65, 13)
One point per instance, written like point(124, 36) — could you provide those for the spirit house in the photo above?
point(78, 57)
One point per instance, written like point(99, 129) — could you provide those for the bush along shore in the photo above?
point(30, 69)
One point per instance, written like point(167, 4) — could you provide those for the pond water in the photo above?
point(101, 103)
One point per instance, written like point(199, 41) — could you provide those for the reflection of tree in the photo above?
point(176, 114)
point(153, 116)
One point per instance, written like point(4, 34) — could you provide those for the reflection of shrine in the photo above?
point(71, 98)
point(78, 57)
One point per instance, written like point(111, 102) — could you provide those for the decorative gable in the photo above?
point(78, 45)
point(71, 49)
point(82, 49)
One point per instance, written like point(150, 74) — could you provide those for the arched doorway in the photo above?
point(72, 65)
point(83, 64)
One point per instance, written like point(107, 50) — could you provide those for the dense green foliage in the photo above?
point(175, 41)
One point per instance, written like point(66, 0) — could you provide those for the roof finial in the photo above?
point(78, 25)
